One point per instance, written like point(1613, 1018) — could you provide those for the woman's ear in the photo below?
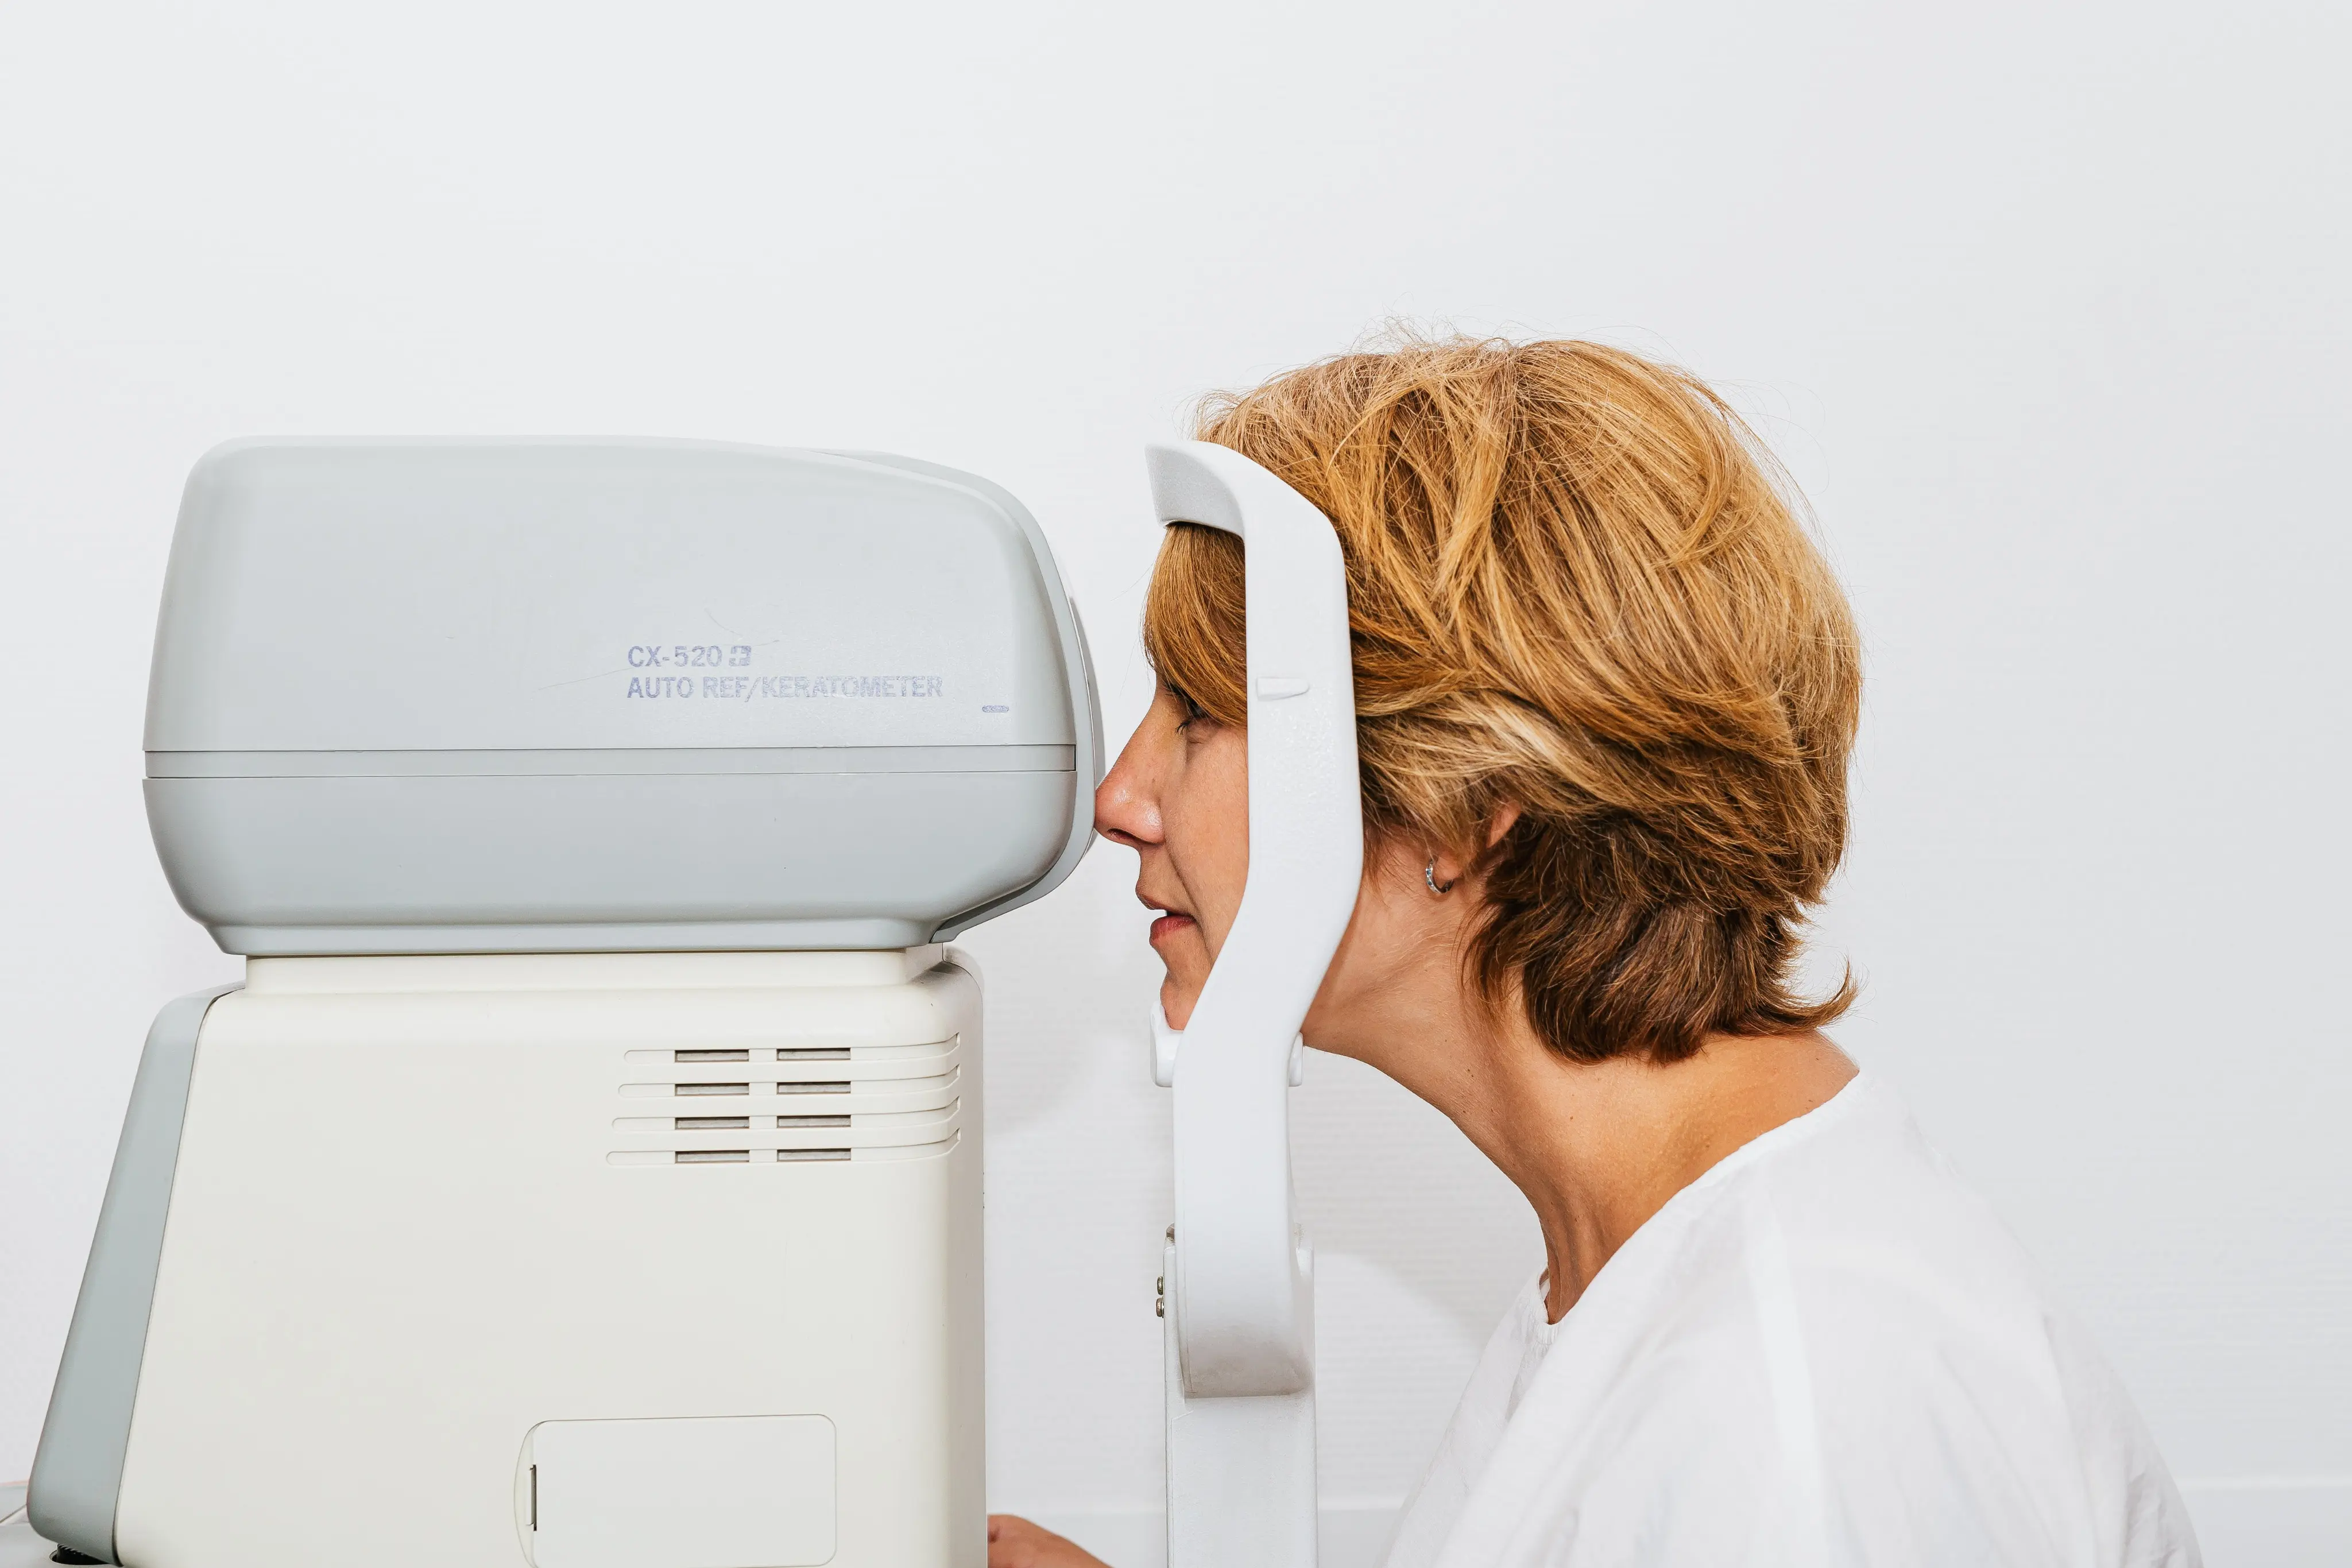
point(1443, 868)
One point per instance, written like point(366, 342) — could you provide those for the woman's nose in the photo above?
point(1127, 810)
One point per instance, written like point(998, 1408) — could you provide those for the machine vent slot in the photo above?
point(880, 1103)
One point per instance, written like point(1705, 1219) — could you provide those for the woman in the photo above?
point(1606, 689)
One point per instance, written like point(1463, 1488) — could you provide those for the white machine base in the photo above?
point(621, 1260)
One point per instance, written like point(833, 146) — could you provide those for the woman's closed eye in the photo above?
point(1194, 712)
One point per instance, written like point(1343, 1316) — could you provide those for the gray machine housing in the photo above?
point(447, 696)
point(78, 1468)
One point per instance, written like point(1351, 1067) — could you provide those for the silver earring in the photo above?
point(1429, 875)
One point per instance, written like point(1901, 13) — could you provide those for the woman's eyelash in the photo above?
point(1193, 710)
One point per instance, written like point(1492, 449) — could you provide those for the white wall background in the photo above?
point(2044, 304)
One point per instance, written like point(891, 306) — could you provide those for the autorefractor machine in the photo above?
point(587, 1172)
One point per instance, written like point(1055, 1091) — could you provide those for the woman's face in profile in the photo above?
point(1179, 796)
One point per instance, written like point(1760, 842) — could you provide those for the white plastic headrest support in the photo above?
point(1242, 1295)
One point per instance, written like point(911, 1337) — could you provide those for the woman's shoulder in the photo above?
point(1842, 1243)
point(1863, 1205)
point(1849, 1197)
point(1831, 1315)
point(1849, 1226)
point(1840, 1250)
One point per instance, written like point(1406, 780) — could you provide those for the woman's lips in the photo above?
point(1168, 925)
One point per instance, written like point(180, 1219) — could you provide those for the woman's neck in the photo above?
point(1599, 1147)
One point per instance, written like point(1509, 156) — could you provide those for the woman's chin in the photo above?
point(1176, 1002)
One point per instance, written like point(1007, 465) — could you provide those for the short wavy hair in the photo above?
point(1578, 585)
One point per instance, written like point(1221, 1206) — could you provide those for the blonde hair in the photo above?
point(1576, 587)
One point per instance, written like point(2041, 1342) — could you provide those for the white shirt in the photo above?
point(1826, 1352)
